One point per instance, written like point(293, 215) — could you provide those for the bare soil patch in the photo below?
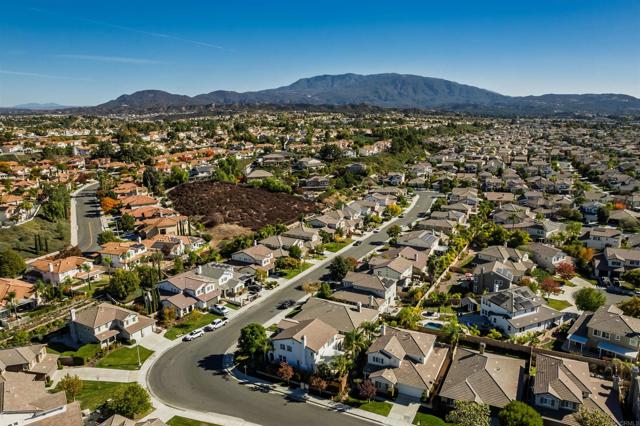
point(217, 203)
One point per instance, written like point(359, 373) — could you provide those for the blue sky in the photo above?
point(84, 53)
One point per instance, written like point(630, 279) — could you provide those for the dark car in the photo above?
point(286, 304)
point(357, 243)
point(254, 288)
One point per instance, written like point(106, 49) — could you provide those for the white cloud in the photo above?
point(38, 75)
point(115, 59)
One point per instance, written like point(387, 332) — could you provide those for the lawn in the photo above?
point(189, 323)
point(558, 304)
point(22, 238)
point(125, 358)
point(424, 419)
point(378, 407)
point(94, 393)
point(232, 306)
point(86, 352)
point(183, 421)
point(336, 246)
point(290, 273)
point(89, 289)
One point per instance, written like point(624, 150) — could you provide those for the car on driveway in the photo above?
point(286, 304)
point(216, 324)
point(193, 335)
point(220, 310)
point(357, 243)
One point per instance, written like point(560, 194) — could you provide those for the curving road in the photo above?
point(190, 375)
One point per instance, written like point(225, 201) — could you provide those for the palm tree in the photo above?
point(341, 365)
point(38, 287)
point(453, 330)
point(355, 342)
point(370, 328)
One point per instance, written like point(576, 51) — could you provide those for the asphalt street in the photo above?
point(191, 375)
point(88, 218)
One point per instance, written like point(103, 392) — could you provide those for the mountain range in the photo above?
point(378, 90)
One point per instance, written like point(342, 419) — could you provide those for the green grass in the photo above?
point(232, 306)
point(94, 393)
point(189, 323)
point(88, 351)
point(424, 419)
point(467, 260)
point(290, 273)
point(183, 421)
point(89, 289)
point(378, 407)
point(125, 358)
point(337, 246)
point(558, 304)
point(21, 238)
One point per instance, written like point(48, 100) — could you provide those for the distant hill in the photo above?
point(379, 90)
point(41, 107)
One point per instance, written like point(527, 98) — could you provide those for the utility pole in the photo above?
point(138, 350)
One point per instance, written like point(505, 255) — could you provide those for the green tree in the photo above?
point(518, 238)
point(11, 264)
point(11, 300)
point(409, 317)
point(123, 283)
point(392, 210)
point(71, 385)
point(589, 299)
point(494, 334)
point(603, 215)
point(148, 276)
point(127, 222)
point(107, 237)
point(394, 232)
point(355, 342)
point(339, 268)
point(295, 252)
point(253, 339)
point(468, 413)
point(518, 413)
point(325, 291)
point(632, 276)
point(178, 265)
point(631, 306)
point(178, 176)
point(130, 401)
point(589, 417)
point(452, 329)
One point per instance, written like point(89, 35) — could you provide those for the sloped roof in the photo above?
point(340, 316)
point(316, 332)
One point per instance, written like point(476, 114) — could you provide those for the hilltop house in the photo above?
point(57, 271)
point(123, 254)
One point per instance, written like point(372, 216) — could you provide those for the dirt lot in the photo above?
point(226, 231)
point(215, 203)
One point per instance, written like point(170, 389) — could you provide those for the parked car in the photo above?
point(216, 323)
point(357, 243)
point(605, 282)
point(254, 288)
point(619, 290)
point(193, 335)
point(286, 304)
point(220, 310)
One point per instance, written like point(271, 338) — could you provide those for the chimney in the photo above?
point(482, 347)
point(383, 329)
point(616, 383)
point(371, 301)
point(72, 312)
point(255, 243)
point(50, 266)
point(359, 306)
point(199, 270)
point(139, 239)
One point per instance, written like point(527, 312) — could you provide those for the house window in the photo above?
point(289, 349)
point(378, 360)
point(566, 404)
point(282, 346)
point(596, 333)
point(282, 358)
point(605, 335)
point(633, 342)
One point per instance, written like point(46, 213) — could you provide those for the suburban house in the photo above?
point(546, 256)
point(599, 238)
point(167, 225)
point(426, 241)
point(305, 344)
point(25, 295)
point(192, 289)
point(543, 230)
point(137, 201)
point(483, 377)
point(518, 310)
point(491, 277)
point(123, 255)
point(562, 386)
point(24, 401)
point(106, 323)
point(32, 359)
point(398, 269)
point(417, 259)
point(614, 262)
point(607, 332)
point(259, 255)
point(344, 317)
point(405, 362)
point(118, 420)
point(57, 271)
point(371, 286)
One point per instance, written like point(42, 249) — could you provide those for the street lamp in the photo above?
point(138, 351)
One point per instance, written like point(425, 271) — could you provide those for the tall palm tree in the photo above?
point(355, 342)
point(370, 329)
point(341, 365)
point(38, 288)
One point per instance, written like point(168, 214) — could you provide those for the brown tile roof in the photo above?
point(103, 313)
point(23, 289)
point(59, 265)
point(316, 331)
point(343, 318)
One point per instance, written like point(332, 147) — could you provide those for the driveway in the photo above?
point(191, 375)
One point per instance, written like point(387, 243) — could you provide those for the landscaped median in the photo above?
point(189, 323)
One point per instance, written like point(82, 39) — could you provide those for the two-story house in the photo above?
point(398, 269)
point(192, 289)
point(599, 238)
point(408, 362)
point(491, 277)
point(106, 323)
point(546, 256)
point(123, 255)
point(607, 332)
point(614, 262)
point(518, 310)
point(32, 359)
point(562, 386)
point(57, 271)
point(305, 344)
point(371, 286)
